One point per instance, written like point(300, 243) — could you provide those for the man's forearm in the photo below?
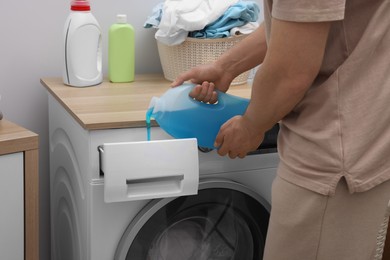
point(272, 98)
point(245, 55)
point(293, 59)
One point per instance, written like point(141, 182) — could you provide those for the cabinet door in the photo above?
point(11, 207)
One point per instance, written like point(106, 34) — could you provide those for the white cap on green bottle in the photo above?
point(121, 18)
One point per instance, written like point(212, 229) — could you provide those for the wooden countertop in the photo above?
point(115, 105)
point(14, 138)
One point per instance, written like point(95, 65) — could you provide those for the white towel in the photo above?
point(245, 29)
point(182, 16)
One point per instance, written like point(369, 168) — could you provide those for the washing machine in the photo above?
point(225, 218)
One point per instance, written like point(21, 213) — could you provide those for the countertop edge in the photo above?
point(14, 138)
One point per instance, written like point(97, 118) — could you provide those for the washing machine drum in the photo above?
point(223, 221)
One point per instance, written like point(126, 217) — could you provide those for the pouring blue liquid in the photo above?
point(182, 117)
point(149, 113)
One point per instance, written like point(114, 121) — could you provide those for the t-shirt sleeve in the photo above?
point(308, 10)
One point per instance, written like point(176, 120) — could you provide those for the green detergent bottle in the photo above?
point(121, 51)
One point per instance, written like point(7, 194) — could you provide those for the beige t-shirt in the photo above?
point(342, 125)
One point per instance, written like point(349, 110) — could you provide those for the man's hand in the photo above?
point(237, 137)
point(205, 93)
point(208, 77)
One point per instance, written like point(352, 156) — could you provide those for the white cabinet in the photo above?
point(19, 218)
point(12, 208)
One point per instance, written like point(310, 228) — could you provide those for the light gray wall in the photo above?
point(31, 48)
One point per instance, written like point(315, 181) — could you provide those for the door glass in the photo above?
point(218, 223)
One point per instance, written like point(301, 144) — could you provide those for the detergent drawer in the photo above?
point(149, 169)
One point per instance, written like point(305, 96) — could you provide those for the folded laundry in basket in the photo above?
point(237, 15)
point(182, 16)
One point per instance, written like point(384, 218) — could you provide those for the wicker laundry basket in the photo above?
point(194, 51)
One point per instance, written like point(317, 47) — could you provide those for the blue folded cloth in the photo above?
point(237, 15)
point(155, 18)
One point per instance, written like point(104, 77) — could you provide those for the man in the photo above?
point(324, 76)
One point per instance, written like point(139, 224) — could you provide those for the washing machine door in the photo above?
point(225, 220)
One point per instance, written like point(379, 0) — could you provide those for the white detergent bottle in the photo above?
point(82, 47)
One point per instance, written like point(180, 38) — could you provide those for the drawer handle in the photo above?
point(155, 179)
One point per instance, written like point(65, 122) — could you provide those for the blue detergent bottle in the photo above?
point(183, 117)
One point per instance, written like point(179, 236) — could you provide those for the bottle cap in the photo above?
point(80, 5)
point(121, 18)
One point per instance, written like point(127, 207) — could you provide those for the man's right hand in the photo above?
point(208, 77)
